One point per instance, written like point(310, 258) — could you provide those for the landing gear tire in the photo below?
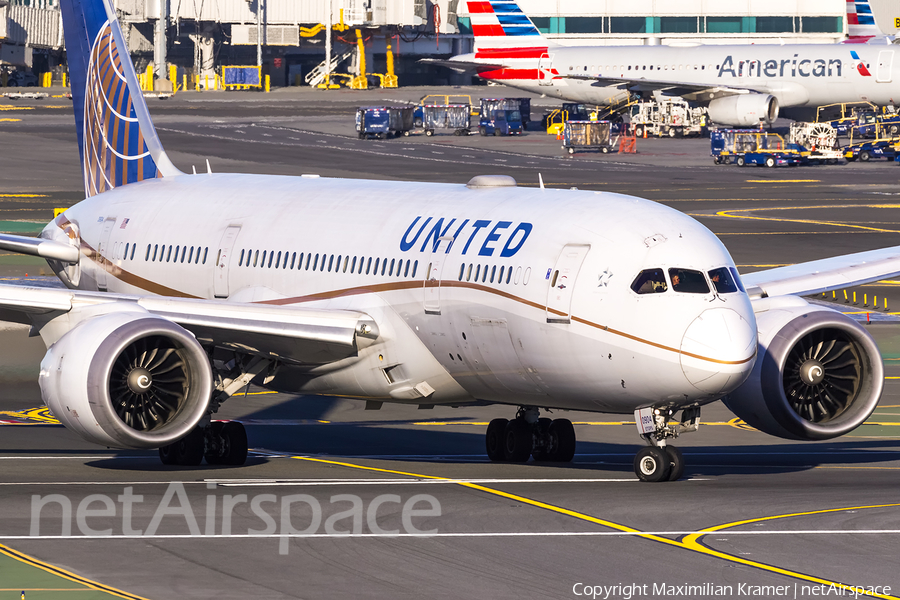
point(234, 438)
point(186, 452)
point(564, 432)
point(652, 464)
point(517, 441)
point(676, 463)
point(494, 440)
point(543, 452)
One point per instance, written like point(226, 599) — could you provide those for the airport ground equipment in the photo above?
point(843, 116)
point(501, 122)
point(815, 136)
point(588, 135)
point(867, 150)
point(446, 116)
point(444, 100)
point(754, 147)
point(523, 105)
point(667, 117)
point(383, 122)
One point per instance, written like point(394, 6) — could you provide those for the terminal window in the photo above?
point(774, 24)
point(678, 24)
point(627, 25)
point(821, 24)
point(724, 24)
point(584, 24)
point(542, 24)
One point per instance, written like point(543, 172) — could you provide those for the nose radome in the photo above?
point(718, 350)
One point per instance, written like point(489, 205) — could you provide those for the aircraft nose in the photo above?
point(718, 350)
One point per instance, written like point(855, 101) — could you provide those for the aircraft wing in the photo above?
point(289, 333)
point(827, 274)
point(689, 91)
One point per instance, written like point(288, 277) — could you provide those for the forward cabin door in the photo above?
point(433, 277)
point(545, 72)
point(223, 257)
point(562, 282)
point(103, 258)
point(885, 62)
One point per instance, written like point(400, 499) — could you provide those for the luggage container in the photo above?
point(588, 135)
point(382, 122)
point(446, 116)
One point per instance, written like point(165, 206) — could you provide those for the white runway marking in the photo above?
point(484, 534)
point(318, 482)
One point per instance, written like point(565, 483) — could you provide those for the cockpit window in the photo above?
point(688, 281)
point(723, 280)
point(737, 279)
point(650, 281)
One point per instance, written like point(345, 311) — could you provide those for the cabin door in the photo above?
point(545, 72)
point(223, 257)
point(562, 282)
point(435, 271)
point(885, 63)
point(104, 260)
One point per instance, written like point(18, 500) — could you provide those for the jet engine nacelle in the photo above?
point(127, 379)
point(744, 110)
point(818, 374)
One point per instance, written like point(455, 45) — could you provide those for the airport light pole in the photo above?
point(259, 11)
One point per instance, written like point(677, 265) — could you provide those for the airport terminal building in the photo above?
point(374, 38)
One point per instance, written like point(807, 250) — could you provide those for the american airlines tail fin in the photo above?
point(861, 26)
point(502, 24)
point(116, 138)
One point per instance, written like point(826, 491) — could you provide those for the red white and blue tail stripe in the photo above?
point(116, 138)
point(861, 26)
point(504, 35)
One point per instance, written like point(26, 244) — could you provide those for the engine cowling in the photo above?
point(818, 374)
point(127, 379)
point(744, 110)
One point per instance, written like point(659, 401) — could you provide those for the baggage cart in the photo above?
point(588, 135)
point(446, 116)
point(383, 122)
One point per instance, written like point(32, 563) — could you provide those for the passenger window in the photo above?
point(183, 253)
point(126, 251)
point(293, 259)
point(278, 263)
point(508, 274)
point(347, 262)
point(415, 266)
point(191, 256)
point(688, 281)
point(337, 267)
point(484, 275)
point(147, 257)
point(384, 266)
point(262, 263)
point(177, 249)
point(500, 278)
point(493, 273)
point(391, 271)
point(271, 257)
point(518, 274)
point(477, 272)
point(133, 248)
point(205, 252)
point(723, 281)
point(315, 263)
point(169, 255)
point(377, 262)
point(406, 271)
point(256, 258)
point(650, 281)
point(330, 262)
point(462, 271)
point(369, 265)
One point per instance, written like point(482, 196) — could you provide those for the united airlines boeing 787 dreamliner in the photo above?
point(741, 85)
point(184, 288)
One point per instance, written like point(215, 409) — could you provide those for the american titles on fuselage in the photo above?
point(806, 67)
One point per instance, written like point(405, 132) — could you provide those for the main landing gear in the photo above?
point(659, 461)
point(529, 435)
point(220, 442)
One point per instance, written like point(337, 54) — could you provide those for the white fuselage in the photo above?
point(531, 304)
point(798, 75)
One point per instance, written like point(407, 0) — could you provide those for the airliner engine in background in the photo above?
point(742, 85)
point(185, 288)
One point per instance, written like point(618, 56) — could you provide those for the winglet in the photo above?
point(116, 137)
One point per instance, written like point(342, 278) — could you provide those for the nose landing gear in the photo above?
point(529, 435)
point(659, 461)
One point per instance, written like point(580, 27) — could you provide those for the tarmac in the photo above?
point(403, 503)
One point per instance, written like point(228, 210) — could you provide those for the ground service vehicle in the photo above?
point(383, 122)
point(523, 105)
point(501, 122)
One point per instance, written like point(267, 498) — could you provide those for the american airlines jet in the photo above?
point(743, 85)
point(184, 288)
